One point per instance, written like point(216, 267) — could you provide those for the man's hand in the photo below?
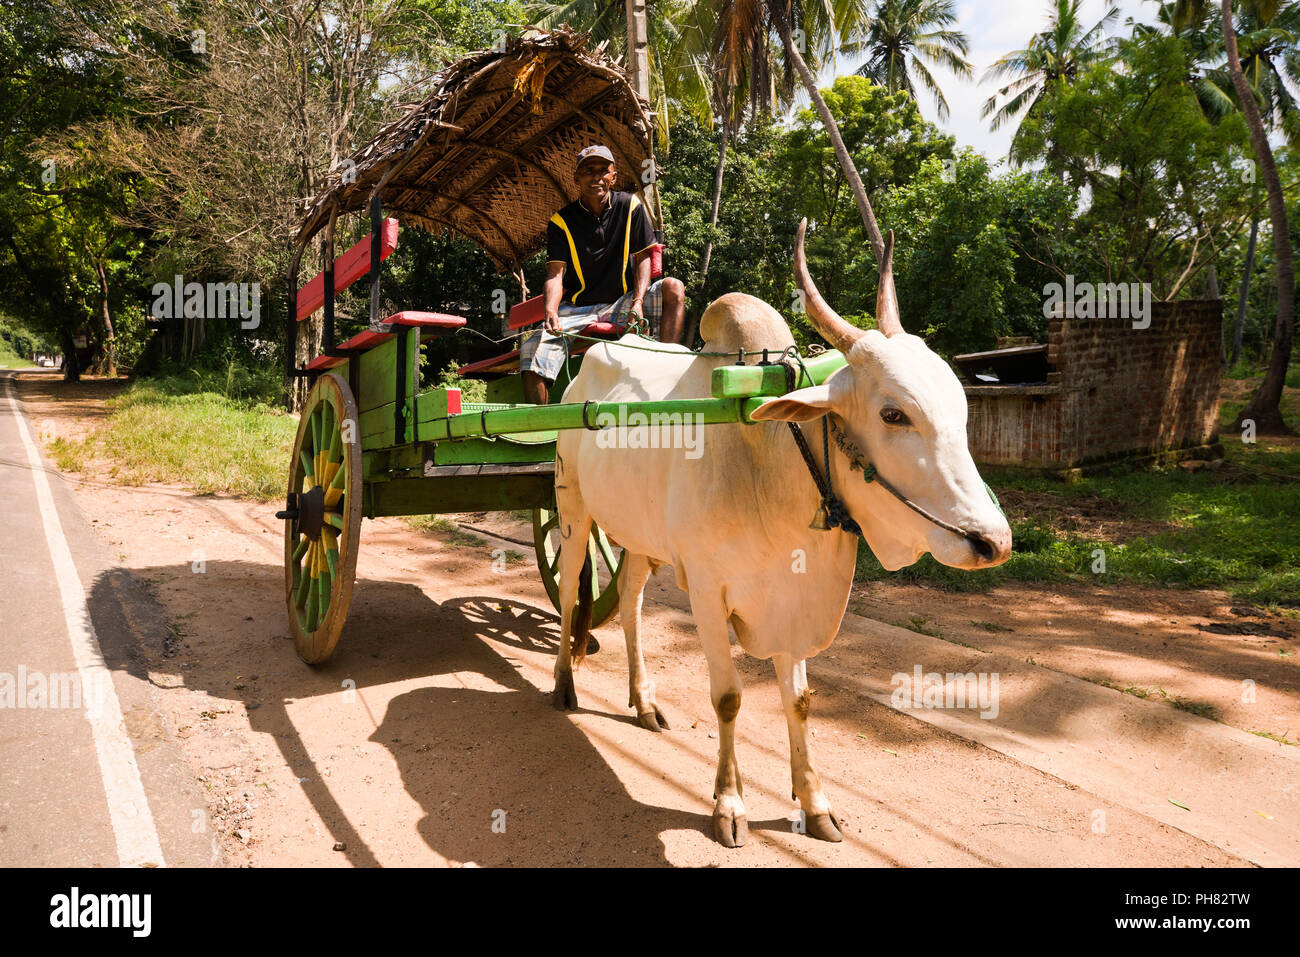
point(552, 323)
point(634, 312)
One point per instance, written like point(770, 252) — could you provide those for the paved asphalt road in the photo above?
point(90, 773)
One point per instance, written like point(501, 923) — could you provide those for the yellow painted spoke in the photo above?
point(304, 579)
point(335, 519)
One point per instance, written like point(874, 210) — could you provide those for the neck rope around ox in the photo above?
point(837, 514)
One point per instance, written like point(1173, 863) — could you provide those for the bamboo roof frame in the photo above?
point(490, 153)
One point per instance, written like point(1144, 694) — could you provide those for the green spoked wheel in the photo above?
point(322, 519)
point(606, 563)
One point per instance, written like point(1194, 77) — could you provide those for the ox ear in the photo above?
point(802, 405)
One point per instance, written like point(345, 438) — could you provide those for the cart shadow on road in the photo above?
point(501, 777)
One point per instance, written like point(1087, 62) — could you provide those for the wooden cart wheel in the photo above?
point(606, 564)
point(323, 518)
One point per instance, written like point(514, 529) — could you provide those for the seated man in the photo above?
point(598, 269)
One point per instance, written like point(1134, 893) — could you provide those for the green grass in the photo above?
point(456, 536)
point(1234, 529)
point(1181, 702)
point(990, 626)
point(1279, 739)
point(11, 360)
point(211, 433)
point(471, 390)
point(920, 625)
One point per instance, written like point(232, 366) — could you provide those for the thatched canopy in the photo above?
point(490, 153)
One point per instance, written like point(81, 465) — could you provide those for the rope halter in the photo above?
point(832, 513)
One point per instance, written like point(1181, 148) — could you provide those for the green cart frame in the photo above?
point(487, 156)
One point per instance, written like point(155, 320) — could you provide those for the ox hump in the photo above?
point(737, 321)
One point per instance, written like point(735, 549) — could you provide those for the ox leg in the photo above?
point(792, 676)
point(572, 557)
point(641, 689)
point(730, 828)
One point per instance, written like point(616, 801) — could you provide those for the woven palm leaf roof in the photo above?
point(490, 153)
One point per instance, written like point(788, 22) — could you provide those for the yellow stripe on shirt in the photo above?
point(558, 220)
point(627, 237)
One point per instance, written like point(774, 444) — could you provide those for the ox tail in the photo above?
point(582, 616)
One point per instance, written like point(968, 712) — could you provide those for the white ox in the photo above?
point(734, 521)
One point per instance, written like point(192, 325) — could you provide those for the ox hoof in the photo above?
point(564, 697)
point(729, 830)
point(653, 720)
point(824, 827)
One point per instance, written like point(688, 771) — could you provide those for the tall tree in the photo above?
point(1054, 56)
point(56, 214)
point(747, 78)
point(904, 36)
point(1266, 51)
point(1264, 406)
point(678, 79)
point(304, 78)
point(848, 24)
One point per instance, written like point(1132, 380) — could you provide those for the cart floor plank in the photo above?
point(531, 468)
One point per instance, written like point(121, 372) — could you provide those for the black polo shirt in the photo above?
point(597, 251)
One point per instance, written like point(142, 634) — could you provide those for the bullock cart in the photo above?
point(487, 155)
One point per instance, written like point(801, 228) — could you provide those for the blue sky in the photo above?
point(996, 27)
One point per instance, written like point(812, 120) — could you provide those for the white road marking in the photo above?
point(128, 807)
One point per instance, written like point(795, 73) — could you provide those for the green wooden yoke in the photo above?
point(508, 450)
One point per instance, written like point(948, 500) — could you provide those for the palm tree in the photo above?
point(904, 36)
point(1270, 61)
point(1263, 407)
point(678, 81)
point(1056, 55)
point(818, 30)
point(747, 77)
point(1267, 35)
point(1207, 77)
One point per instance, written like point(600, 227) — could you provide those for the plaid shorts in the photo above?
point(544, 353)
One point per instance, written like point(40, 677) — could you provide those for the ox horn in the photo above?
point(887, 318)
point(832, 328)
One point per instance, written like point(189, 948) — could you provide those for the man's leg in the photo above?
point(674, 310)
point(536, 389)
point(542, 355)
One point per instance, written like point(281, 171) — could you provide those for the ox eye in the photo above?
point(894, 417)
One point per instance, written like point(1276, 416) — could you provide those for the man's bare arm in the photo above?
point(642, 282)
point(553, 292)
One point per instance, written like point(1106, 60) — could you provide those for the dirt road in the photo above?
point(429, 737)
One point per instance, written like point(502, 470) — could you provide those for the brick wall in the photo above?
point(1116, 391)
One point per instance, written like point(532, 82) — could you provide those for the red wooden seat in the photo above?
point(508, 363)
point(371, 338)
point(358, 343)
point(534, 310)
point(497, 365)
point(425, 320)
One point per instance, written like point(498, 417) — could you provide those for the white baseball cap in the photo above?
point(597, 150)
